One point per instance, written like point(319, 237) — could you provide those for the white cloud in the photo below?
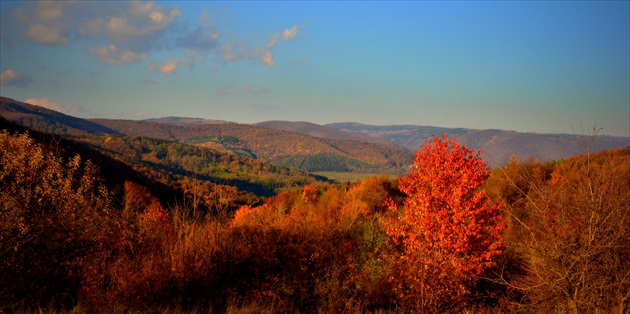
point(91, 27)
point(198, 43)
point(128, 32)
point(112, 55)
point(141, 21)
point(45, 24)
point(53, 105)
point(47, 34)
point(12, 77)
point(267, 59)
point(134, 28)
point(170, 66)
point(233, 50)
point(290, 33)
point(272, 42)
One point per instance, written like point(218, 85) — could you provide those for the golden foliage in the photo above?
point(570, 232)
point(54, 217)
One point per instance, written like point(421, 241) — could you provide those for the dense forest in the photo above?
point(450, 236)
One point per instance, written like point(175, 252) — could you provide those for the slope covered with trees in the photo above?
point(321, 131)
point(267, 144)
point(177, 172)
point(258, 177)
point(46, 120)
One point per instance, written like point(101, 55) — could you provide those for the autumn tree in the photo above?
point(448, 233)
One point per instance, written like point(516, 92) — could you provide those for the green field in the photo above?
point(348, 176)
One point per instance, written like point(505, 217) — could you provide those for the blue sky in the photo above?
point(530, 66)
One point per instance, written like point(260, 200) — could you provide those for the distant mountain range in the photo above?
point(345, 147)
point(183, 120)
point(497, 145)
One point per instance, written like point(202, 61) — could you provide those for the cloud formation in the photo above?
point(170, 66)
point(56, 106)
point(112, 55)
point(267, 59)
point(43, 22)
point(12, 77)
point(290, 33)
point(234, 50)
point(130, 32)
point(140, 21)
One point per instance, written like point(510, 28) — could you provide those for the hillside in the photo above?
point(276, 146)
point(497, 145)
point(169, 168)
point(46, 120)
point(184, 120)
point(281, 147)
point(320, 131)
point(340, 147)
point(174, 171)
point(113, 171)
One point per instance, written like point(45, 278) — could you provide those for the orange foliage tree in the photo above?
point(448, 233)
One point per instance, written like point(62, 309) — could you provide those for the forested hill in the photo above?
point(170, 169)
point(174, 171)
point(497, 145)
point(46, 120)
point(184, 120)
point(283, 148)
point(113, 171)
point(345, 147)
point(276, 146)
point(321, 131)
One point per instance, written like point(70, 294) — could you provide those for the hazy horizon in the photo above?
point(542, 67)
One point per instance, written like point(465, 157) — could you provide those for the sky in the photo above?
point(528, 66)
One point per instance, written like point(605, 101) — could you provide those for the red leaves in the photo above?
point(447, 224)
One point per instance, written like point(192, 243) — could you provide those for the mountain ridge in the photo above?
point(497, 146)
point(272, 145)
point(361, 147)
point(48, 120)
point(280, 147)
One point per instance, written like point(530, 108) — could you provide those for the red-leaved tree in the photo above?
point(448, 233)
